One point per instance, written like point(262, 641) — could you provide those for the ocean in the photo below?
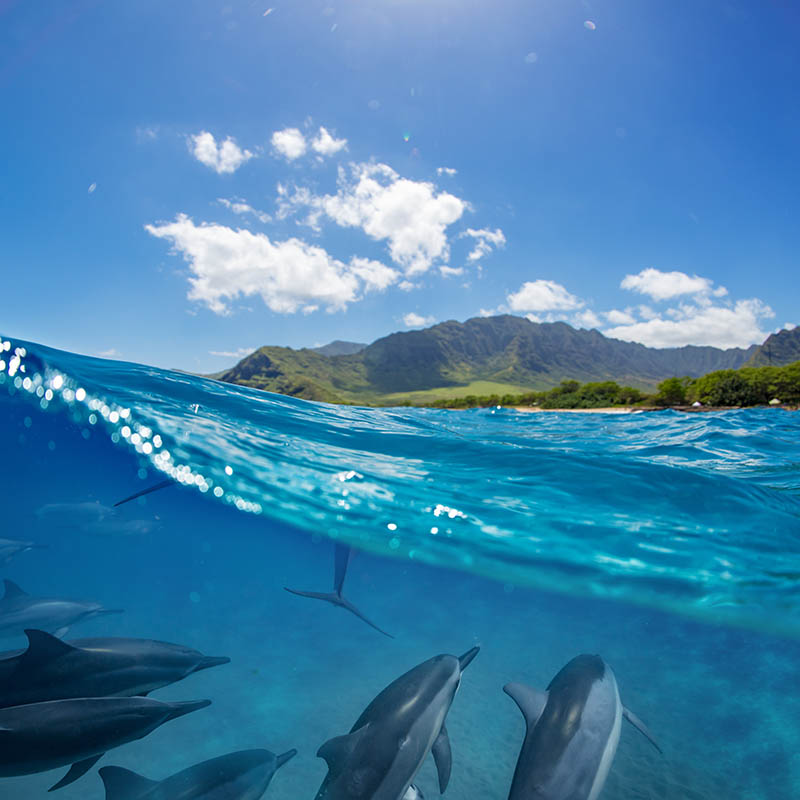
point(667, 543)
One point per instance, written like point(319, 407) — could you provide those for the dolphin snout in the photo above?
point(104, 611)
point(206, 662)
point(465, 660)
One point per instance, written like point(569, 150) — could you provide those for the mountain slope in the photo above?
point(503, 349)
point(778, 349)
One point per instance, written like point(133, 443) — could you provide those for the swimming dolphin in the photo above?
point(237, 776)
point(572, 732)
point(19, 611)
point(54, 670)
point(12, 547)
point(382, 754)
point(44, 736)
point(342, 555)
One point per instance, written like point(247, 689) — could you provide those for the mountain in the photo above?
point(339, 348)
point(505, 353)
point(778, 349)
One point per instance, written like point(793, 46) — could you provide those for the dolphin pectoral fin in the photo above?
point(413, 793)
point(337, 750)
point(161, 485)
point(345, 603)
point(77, 770)
point(341, 558)
point(641, 727)
point(123, 784)
point(284, 757)
point(530, 701)
point(443, 758)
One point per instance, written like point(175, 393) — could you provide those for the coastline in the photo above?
point(639, 409)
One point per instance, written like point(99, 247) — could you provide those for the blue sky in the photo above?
point(186, 181)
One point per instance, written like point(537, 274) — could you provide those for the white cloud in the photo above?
point(485, 240)
point(531, 58)
point(110, 353)
point(446, 171)
point(239, 206)
point(541, 295)
point(241, 352)
point(289, 276)
point(665, 285)
point(414, 320)
point(617, 317)
point(146, 133)
point(92, 187)
point(290, 143)
point(408, 214)
point(324, 144)
point(587, 319)
point(449, 272)
point(224, 158)
point(739, 325)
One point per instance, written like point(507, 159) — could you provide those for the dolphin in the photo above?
point(382, 754)
point(12, 547)
point(572, 732)
point(43, 736)
point(342, 555)
point(237, 776)
point(161, 485)
point(19, 611)
point(108, 667)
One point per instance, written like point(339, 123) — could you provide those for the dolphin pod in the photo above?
point(51, 669)
point(237, 776)
point(20, 611)
point(342, 555)
point(44, 736)
point(386, 746)
point(572, 732)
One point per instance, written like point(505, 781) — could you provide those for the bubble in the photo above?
point(589, 25)
point(80, 395)
point(392, 526)
point(406, 137)
point(394, 543)
point(218, 491)
point(228, 469)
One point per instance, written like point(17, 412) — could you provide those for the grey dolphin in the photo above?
point(572, 732)
point(342, 555)
point(20, 611)
point(382, 754)
point(12, 547)
point(107, 667)
point(237, 776)
point(44, 736)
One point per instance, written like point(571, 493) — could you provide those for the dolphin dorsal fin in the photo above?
point(12, 590)
point(42, 646)
point(530, 701)
point(122, 784)
point(337, 750)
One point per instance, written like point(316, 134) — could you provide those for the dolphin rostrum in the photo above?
point(20, 611)
point(237, 776)
point(106, 667)
point(12, 547)
point(384, 750)
point(572, 732)
point(342, 555)
point(44, 736)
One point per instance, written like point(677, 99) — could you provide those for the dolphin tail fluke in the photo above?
point(123, 784)
point(345, 603)
point(443, 758)
point(187, 707)
point(284, 757)
point(77, 770)
point(641, 727)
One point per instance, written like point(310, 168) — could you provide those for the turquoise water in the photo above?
point(668, 543)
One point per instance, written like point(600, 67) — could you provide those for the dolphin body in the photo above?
point(44, 736)
point(54, 670)
point(382, 754)
point(12, 547)
point(572, 732)
point(237, 776)
point(20, 611)
point(342, 555)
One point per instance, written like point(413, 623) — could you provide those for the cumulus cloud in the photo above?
point(324, 144)
point(587, 319)
point(449, 272)
point(665, 285)
point(485, 240)
point(224, 158)
point(739, 325)
point(289, 276)
point(446, 171)
point(414, 320)
point(409, 215)
point(239, 206)
point(241, 352)
point(289, 143)
point(542, 295)
point(617, 317)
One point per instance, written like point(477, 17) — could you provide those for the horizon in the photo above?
point(191, 179)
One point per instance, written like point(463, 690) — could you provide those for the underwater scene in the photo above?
point(491, 603)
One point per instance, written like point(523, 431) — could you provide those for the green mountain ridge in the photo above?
point(778, 349)
point(506, 351)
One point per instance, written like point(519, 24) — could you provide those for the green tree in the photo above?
point(672, 392)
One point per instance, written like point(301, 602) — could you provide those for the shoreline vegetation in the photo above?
point(745, 387)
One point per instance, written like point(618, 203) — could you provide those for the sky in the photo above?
point(184, 182)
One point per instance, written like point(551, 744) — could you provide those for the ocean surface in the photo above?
point(667, 543)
